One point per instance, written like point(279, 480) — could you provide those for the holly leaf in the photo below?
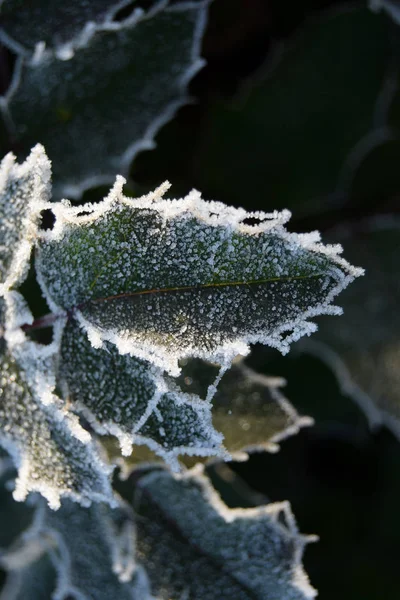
point(25, 191)
point(273, 135)
point(53, 453)
point(364, 348)
point(51, 23)
point(249, 408)
point(195, 547)
point(170, 279)
point(131, 399)
point(128, 77)
point(55, 553)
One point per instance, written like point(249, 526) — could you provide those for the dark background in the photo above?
point(298, 108)
point(268, 133)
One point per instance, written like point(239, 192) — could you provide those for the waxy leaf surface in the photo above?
point(194, 547)
point(129, 398)
point(24, 25)
point(24, 191)
point(168, 279)
point(113, 86)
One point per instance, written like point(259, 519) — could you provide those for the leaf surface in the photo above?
point(249, 409)
point(52, 22)
point(364, 348)
point(194, 547)
point(129, 398)
point(164, 280)
point(113, 86)
point(54, 455)
point(25, 191)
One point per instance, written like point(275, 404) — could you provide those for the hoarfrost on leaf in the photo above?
point(52, 23)
point(364, 347)
point(54, 455)
point(113, 85)
point(75, 552)
point(170, 279)
point(129, 398)
point(249, 408)
point(194, 547)
point(25, 191)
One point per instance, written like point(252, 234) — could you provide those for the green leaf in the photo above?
point(364, 348)
point(194, 547)
point(54, 455)
point(24, 192)
point(249, 409)
point(113, 86)
point(85, 553)
point(286, 138)
point(129, 398)
point(165, 280)
point(51, 22)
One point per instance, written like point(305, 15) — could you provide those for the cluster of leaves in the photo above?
point(167, 281)
point(152, 300)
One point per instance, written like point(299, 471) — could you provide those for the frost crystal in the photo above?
point(169, 279)
point(114, 85)
point(194, 547)
point(54, 455)
point(24, 191)
point(129, 398)
point(51, 22)
point(249, 409)
point(75, 552)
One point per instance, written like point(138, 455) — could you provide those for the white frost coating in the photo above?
point(73, 179)
point(215, 534)
point(391, 7)
point(132, 400)
point(24, 192)
point(225, 227)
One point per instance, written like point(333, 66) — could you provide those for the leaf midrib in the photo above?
point(201, 286)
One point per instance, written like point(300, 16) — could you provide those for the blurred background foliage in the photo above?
point(298, 107)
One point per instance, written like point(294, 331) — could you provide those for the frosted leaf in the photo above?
point(24, 191)
point(194, 547)
point(129, 398)
point(114, 86)
point(53, 453)
point(77, 552)
point(50, 22)
point(168, 279)
point(249, 409)
point(364, 347)
point(87, 551)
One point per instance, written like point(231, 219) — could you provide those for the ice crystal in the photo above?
point(52, 23)
point(249, 409)
point(75, 552)
point(128, 76)
point(194, 547)
point(129, 398)
point(24, 192)
point(168, 279)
